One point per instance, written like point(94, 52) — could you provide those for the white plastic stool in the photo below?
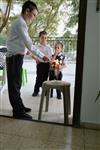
point(64, 87)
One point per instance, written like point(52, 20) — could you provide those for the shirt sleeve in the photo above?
point(63, 60)
point(50, 51)
point(23, 30)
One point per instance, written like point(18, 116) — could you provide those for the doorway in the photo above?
point(75, 116)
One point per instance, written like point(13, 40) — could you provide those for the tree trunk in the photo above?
point(6, 15)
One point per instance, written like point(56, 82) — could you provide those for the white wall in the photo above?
point(90, 111)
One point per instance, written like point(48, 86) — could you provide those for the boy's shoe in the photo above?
point(34, 94)
point(51, 95)
point(59, 97)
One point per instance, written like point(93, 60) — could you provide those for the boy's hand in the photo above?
point(51, 62)
point(45, 58)
point(57, 67)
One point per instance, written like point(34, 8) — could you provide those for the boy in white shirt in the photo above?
point(42, 67)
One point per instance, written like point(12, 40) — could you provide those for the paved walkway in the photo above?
point(55, 113)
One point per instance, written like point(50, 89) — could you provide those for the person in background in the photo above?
point(42, 68)
point(57, 64)
point(18, 39)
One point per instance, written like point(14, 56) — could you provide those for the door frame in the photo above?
point(79, 63)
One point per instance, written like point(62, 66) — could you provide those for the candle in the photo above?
point(56, 63)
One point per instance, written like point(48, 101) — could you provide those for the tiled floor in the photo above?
point(27, 135)
point(55, 113)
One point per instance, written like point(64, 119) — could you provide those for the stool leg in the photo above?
point(47, 100)
point(65, 103)
point(41, 103)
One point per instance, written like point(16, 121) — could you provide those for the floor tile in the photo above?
point(53, 146)
point(10, 126)
point(27, 135)
point(9, 142)
point(92, 148)
point(67, 135)
point(32, 143)
point(34, 130)
point(92, 139)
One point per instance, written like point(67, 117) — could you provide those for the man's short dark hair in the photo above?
point(29, 5)
point(42, 33)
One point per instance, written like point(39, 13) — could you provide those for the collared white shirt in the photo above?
point(19, 39)
point(45, 49)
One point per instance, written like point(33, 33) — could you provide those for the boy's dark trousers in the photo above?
point(42, 75)
point(53, 77)
point(14, 76)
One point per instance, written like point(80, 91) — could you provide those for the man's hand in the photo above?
point(37, 61)
point(45, 58)
point(28, 53)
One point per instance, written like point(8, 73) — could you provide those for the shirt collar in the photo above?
point(21, 17)
point(42, 44)
point(59, 53)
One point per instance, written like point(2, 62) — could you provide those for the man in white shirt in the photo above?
point(42, 68)
point(18, 40)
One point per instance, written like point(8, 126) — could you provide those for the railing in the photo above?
point(70, 45)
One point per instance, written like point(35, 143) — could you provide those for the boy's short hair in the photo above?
point(60, 43)
point(42, 33)
point(29, 5)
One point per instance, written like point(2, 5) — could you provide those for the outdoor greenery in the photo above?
point(3, 39)
point(73, 17)
point(50, 14)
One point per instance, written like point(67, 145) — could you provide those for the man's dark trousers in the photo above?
point(14, 76)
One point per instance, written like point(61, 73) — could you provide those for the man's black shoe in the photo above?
point(34, 94)
point(22, 116)
point(51, 95)
point(26, 109)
